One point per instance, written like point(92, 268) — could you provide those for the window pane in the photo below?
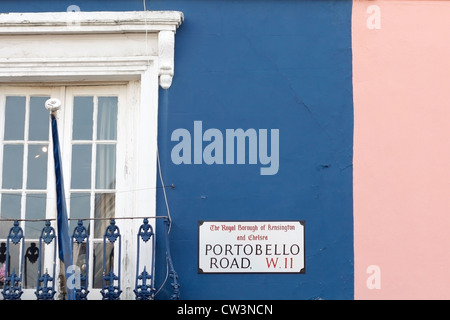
point(31, 262)
point(98, 262)
point(37, 167)
point(80, 258)
point(12, 166)
point(35, 209)
point(39, 119)
point(81, 166)
point(106, 166)
point(105, 204)
point(14, 258)
point(10, 209)
point(79, 209)
point(107, 118)
point(14, 118)
point(83, 108)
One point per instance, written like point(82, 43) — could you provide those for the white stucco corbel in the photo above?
point(127, 41)
point(166, 45)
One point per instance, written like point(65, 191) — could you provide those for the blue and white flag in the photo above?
point(64, 242)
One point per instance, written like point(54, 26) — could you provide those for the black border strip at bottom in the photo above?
point(223, 309)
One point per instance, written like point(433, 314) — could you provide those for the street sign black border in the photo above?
point(200, 271)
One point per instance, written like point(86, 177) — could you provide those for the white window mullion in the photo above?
point(25, 162)
point(2, 133)
point(94, 155)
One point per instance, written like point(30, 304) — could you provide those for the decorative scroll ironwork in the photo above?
point(111, 286)
point(110, 291)
point(81, 237)
point(45, 289)
point(145, 284)
point(12, 287)
point(32, 253)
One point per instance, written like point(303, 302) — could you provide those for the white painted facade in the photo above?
point(126, 54)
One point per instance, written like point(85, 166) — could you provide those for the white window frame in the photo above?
point(124, 190)
point(132, 48)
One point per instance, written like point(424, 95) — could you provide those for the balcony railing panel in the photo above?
point(109, 251)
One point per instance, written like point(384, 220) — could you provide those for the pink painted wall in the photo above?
point(402, 149)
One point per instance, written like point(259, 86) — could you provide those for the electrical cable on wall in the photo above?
point(144, 3)
point(160, 173)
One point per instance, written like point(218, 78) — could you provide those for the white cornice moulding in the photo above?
point(89, 22)
point(21, 61)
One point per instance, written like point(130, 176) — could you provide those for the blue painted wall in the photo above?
point(265, 65)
